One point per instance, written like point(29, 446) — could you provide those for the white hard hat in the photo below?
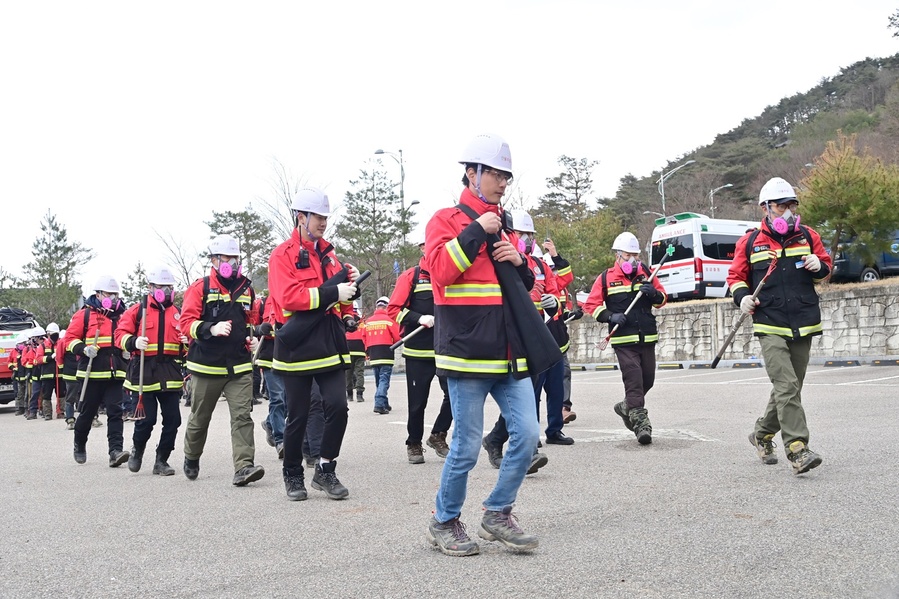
point(626, 242)
point(417, 237)
point(383, 300)
point(224, 245)
point(489, 150)
point(311, 199)
point(37, 331)
point(52, 328)
point(522, 221)
point(776, 189)
point(21, 338)
point(160, 275)
point(107, 284)
point(62, 333)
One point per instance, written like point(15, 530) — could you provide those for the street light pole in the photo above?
point(403, 215)
point(664, 176)
point(712, 197)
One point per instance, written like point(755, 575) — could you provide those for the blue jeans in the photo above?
point(277, 414)
point(554, 381)
point(382, 379)
point(515, 399)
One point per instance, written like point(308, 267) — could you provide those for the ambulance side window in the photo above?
point(683, 248)
point(719, 247)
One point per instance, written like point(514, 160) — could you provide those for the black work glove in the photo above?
point(618, 319)
point(576, 314)
point(350, 323)
point(263, 330)
point(649, 291)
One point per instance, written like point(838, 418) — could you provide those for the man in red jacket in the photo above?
point(381, 331)
point(217, 314)
point(315, 292)
point(90, 334)
point(478, 348)
point(151, 328)
point(355, 375)
point(637, 333)
point(785, 315)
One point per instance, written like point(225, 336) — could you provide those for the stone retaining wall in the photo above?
point(859, 320)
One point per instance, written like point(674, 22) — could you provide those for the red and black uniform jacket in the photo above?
point(546, 281)
point(66, 361)
point(48, 364)
point(472, 337)
point(27, 360)
point(162, 358)
point(109, 363)
point(13, 361)
point(618, 294)
point(298, 272)
point(272, 316)
point(356, 340)
point(211, 300)
point(381, 332)
point(412, 298)
point(788, 303)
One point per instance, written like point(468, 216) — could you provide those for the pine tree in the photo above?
point(51, 278)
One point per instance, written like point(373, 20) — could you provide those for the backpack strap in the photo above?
point(87, 321)
point(750, 242)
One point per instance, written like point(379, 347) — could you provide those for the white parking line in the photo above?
point(883, 378)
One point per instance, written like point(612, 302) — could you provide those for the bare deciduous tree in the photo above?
point(187, 261)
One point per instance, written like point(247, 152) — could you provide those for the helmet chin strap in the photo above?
point(306, 226)
point(477, 186)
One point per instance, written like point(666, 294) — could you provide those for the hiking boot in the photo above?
point(494, 453)
point(70, 424)
point(269, 433)
point(349, 396)
point(380, 410)
point(293, 483)
point(802, 458)
point(326, 480)
point(136, 459)
point(161, 467)
point(247, 474)
point(30, 416)
point(451, 538)
point(568, 416)
point(639, 418)
point(187, 403)
point(80, 453)
point(538, 461)
point(437, 442)
point(20, 412)
point(279, 447)
point(96, 423)
point(359, 397)
point(416, 453)
point(621, 409)
point(191, 468)
point(311, 461)
point(764, 446)
point(117, 457)
point(48, 417)
point(503, 527)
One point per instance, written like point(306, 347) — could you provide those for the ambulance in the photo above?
point(703, 250)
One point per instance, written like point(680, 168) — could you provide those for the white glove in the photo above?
point(53, 356)
point(254, 343)
point(748, 304)
point(548, 302)
point(91, 351)
point(221, 329)
point(353, 273)
point(141, 343)
point(345, 291)
point(812, 263)
point(184, 339)
point(426, 320)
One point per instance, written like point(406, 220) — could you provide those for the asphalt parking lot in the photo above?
point(695, 514)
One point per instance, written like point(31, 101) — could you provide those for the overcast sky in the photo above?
point(125, 117)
